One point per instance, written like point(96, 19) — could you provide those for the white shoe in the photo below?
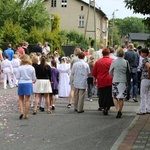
point(5, 88)
point(12, 86)
point(91, 100)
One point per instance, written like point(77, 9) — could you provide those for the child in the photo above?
point(15, 64)
point(7, 71)
point(90, 79)
point(55, 81)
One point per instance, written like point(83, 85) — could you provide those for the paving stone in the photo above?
point(135, 147)
point(137, 141)
point(143, 141)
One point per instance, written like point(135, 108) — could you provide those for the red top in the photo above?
point(101, 72)
point(21, 50)
point(86, 53)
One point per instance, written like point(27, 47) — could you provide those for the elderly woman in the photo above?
point(104, 81)
point(119, 87)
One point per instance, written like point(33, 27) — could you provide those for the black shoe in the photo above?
point(21, 116)
point(34, 112)
point(82, 111)
point(127, 98)
point(53, 108)
point(42, 109)
point(119, 114)
point(69, 105)
point(105, 111)
point(100, 108)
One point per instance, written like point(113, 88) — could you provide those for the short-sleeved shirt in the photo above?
point(9, 52)
point(80, 70)
point(144, 68)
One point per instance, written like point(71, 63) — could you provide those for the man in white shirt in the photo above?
point(46, 48)
point(80, 71)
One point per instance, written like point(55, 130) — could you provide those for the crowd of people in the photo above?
point(41, 76)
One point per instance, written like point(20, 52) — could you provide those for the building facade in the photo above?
point(80, 16)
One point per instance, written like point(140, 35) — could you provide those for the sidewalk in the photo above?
point(138, 136)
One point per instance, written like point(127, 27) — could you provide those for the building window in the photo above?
point(53, 3)
point(64, 3)
point(81, 8)
point(81, 21)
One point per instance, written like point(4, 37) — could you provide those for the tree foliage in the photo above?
point(124, 26)
point(55, 23)
point(25, 12)
point(72, 37)
point(13, 32)
point(139, 6)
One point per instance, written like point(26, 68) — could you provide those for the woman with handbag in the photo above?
point(104, 81)
point(118, 71)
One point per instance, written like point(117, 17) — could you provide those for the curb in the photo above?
point(123, 134)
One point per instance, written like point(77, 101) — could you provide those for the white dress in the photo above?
point(64, 79)
point(15, 64)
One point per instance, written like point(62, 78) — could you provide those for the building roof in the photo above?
point(139, 36)
point(98, 9)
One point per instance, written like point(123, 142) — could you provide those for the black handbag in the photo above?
point(128, 72)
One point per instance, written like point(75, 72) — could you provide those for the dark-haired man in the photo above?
point(9, 52)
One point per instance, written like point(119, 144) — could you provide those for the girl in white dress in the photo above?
point(7, 70)
point(15, 64)
point(64, 79)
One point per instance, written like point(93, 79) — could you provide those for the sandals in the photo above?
point(49, 112)
point(26, 117)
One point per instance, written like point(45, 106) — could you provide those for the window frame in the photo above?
point(63, 3)
point(81, 21)
point(53, 3)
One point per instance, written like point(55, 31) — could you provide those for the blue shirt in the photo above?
point(129, 55)
point(9, 52)
point(133, 59)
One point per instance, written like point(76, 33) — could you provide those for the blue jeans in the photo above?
point(134, 84)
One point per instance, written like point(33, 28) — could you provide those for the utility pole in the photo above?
point(91, 3)
point(113, 27)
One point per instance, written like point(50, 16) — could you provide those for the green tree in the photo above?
point(35, 35)
point(139, 6)
point(55, 23)
point(25, 12)
point(124, 26)
point(131, 24)
point(13, 32)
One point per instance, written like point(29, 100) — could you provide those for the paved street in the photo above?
point(62, 130)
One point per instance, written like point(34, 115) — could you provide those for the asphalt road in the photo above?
point(64, 129)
